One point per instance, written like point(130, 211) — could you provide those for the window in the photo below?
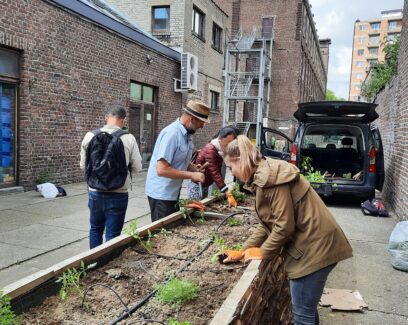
point(359, 75)
point(371, 62)
point(392, 37)
point(360, 52)
point(141, 92)
point(375, 26)
point(160, 19)
point(267, 26)
point(374, 40)
point(362, 27)
point(373, 51)
point(360, 40)
point(215, 97)
point(198, 23)
point(358, 87)
point(359, 64)
point(392, 25)
point(9, 63)
point(216, 37)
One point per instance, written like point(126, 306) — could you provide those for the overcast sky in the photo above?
point(335, 19)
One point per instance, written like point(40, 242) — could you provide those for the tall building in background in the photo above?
point(369, 39)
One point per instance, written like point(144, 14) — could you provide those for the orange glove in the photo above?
point(233, 256)
point(231, 200)
point(197, 205)
point(253, 253)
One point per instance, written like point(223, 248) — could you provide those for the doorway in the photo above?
point(141, 125)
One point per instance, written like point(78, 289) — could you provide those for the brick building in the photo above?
point(393, 123)
point(369, 39)
point(194, 26)
point(298, 67)
point(62, 63)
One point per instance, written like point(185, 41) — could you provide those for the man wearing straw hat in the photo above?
point(169, 164)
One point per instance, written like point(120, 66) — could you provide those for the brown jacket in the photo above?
point(295, 222)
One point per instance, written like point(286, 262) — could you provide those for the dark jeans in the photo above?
point(306, 293)
point(108, 210)
point(161, 208)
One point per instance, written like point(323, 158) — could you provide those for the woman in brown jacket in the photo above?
point(294, 223)
point(212, 156)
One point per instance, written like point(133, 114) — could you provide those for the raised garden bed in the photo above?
point(123, 291)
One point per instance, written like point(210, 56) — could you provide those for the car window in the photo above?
point(276, 142)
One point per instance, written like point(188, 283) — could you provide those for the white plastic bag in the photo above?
point(398, 246)
point(48, 190)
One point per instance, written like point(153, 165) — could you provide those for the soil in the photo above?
point(135, 273)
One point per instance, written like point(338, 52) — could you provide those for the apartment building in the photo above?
point(197, 27)
point(369, 39)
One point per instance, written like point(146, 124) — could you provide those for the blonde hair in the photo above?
point(243, 149)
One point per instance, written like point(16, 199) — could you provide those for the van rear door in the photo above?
point(379, 158)
point(275, 144)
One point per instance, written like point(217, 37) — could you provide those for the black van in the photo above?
point(339, 142)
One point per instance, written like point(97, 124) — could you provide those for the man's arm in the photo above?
point(164, 169)
point(84, 147)
point(135, 159)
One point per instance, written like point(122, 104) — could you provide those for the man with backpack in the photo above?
point(109, 156)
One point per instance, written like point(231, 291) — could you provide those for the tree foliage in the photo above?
point(382, 73)
point(331, 96)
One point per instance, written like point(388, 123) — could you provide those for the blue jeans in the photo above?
point(306, 293)
point(108, 210)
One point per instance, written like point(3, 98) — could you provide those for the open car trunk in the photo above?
point(336, 151)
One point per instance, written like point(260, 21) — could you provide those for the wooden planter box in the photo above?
point(261, 296)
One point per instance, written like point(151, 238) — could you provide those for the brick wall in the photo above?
point(393, 125)
point(71, 71)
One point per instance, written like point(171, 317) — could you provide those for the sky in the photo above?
point(335, 20)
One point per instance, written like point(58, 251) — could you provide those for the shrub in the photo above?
point(177, 291)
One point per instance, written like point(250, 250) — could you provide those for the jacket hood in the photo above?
point(272, 172)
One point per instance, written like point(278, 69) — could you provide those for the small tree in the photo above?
point(382, 73)
point(331, 96)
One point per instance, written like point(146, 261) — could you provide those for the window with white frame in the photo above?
point(160, 19)
point(362, 27)
point(359, 75)
point(360, 40)
point(392, 37)
point(359, 64)
point(198, 23)
point(375, 26)
point(374, 40)
point(360, 52)
point(373, 51)
point(392, 25)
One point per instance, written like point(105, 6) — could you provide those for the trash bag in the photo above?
point(398, 246)
point(48, 190)
point(374, 207)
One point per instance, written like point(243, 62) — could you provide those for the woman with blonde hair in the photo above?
point(294, 223)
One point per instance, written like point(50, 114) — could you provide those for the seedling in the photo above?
point(7, 316)
point(70, 280)
point(177, 291)
point(175, 322)
point(220, 243)
point(237, 247)
point(232, 222)
point(184, 210)
point(237, 194)
point(216, 192)
point(131, 230)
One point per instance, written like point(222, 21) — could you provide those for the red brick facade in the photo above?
point(71, 70)
point(298, 73)
point(393, 124)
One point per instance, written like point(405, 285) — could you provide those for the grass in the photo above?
point(7, 316)
point(177, 291)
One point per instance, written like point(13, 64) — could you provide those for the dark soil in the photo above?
point(135, 273)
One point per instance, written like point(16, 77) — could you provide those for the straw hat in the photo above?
point(198, 110)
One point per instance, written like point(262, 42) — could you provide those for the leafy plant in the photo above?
point(216, 192)
point(221, 246)
point(382, 73)
point(177, 291)
point(306, 165)
point(46, 176)
point(233, 222)
point(70, 280)
point(131, 230)
point(184, 210)
point(175, 322)
point(237, 247)
point(237, 194)
point(7, 316)
point(315, 177)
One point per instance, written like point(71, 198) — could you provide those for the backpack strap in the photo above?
point(119, 133)
point(96, 131)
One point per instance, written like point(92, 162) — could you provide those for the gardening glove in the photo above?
point(233, 256)
point(196, 205)
point(253, 253)
point(231, 200)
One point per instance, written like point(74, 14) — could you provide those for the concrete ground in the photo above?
point(36, 233)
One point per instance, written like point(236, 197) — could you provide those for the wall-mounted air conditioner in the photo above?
point(189, 71)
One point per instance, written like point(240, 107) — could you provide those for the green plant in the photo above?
point(221, 246)
point(237, 194)
point(177, 291)
point(70, 280)
point(331, 96)
point(216, 192)
point(237, 247)
point(7, 316)
point(306, 165)
point(46, 176)
point(382, 73)
point(175, 322)
point(184, 210)
point(315, 177)
point(233, 222)
point(131, 230)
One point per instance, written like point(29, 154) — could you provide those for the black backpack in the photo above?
point(106, 167)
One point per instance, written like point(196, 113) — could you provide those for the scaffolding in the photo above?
point(248, 69)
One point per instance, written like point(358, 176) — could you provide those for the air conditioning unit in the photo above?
point(189, 71)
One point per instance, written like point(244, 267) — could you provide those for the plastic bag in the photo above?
point(48, 190)
point(398, 246)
